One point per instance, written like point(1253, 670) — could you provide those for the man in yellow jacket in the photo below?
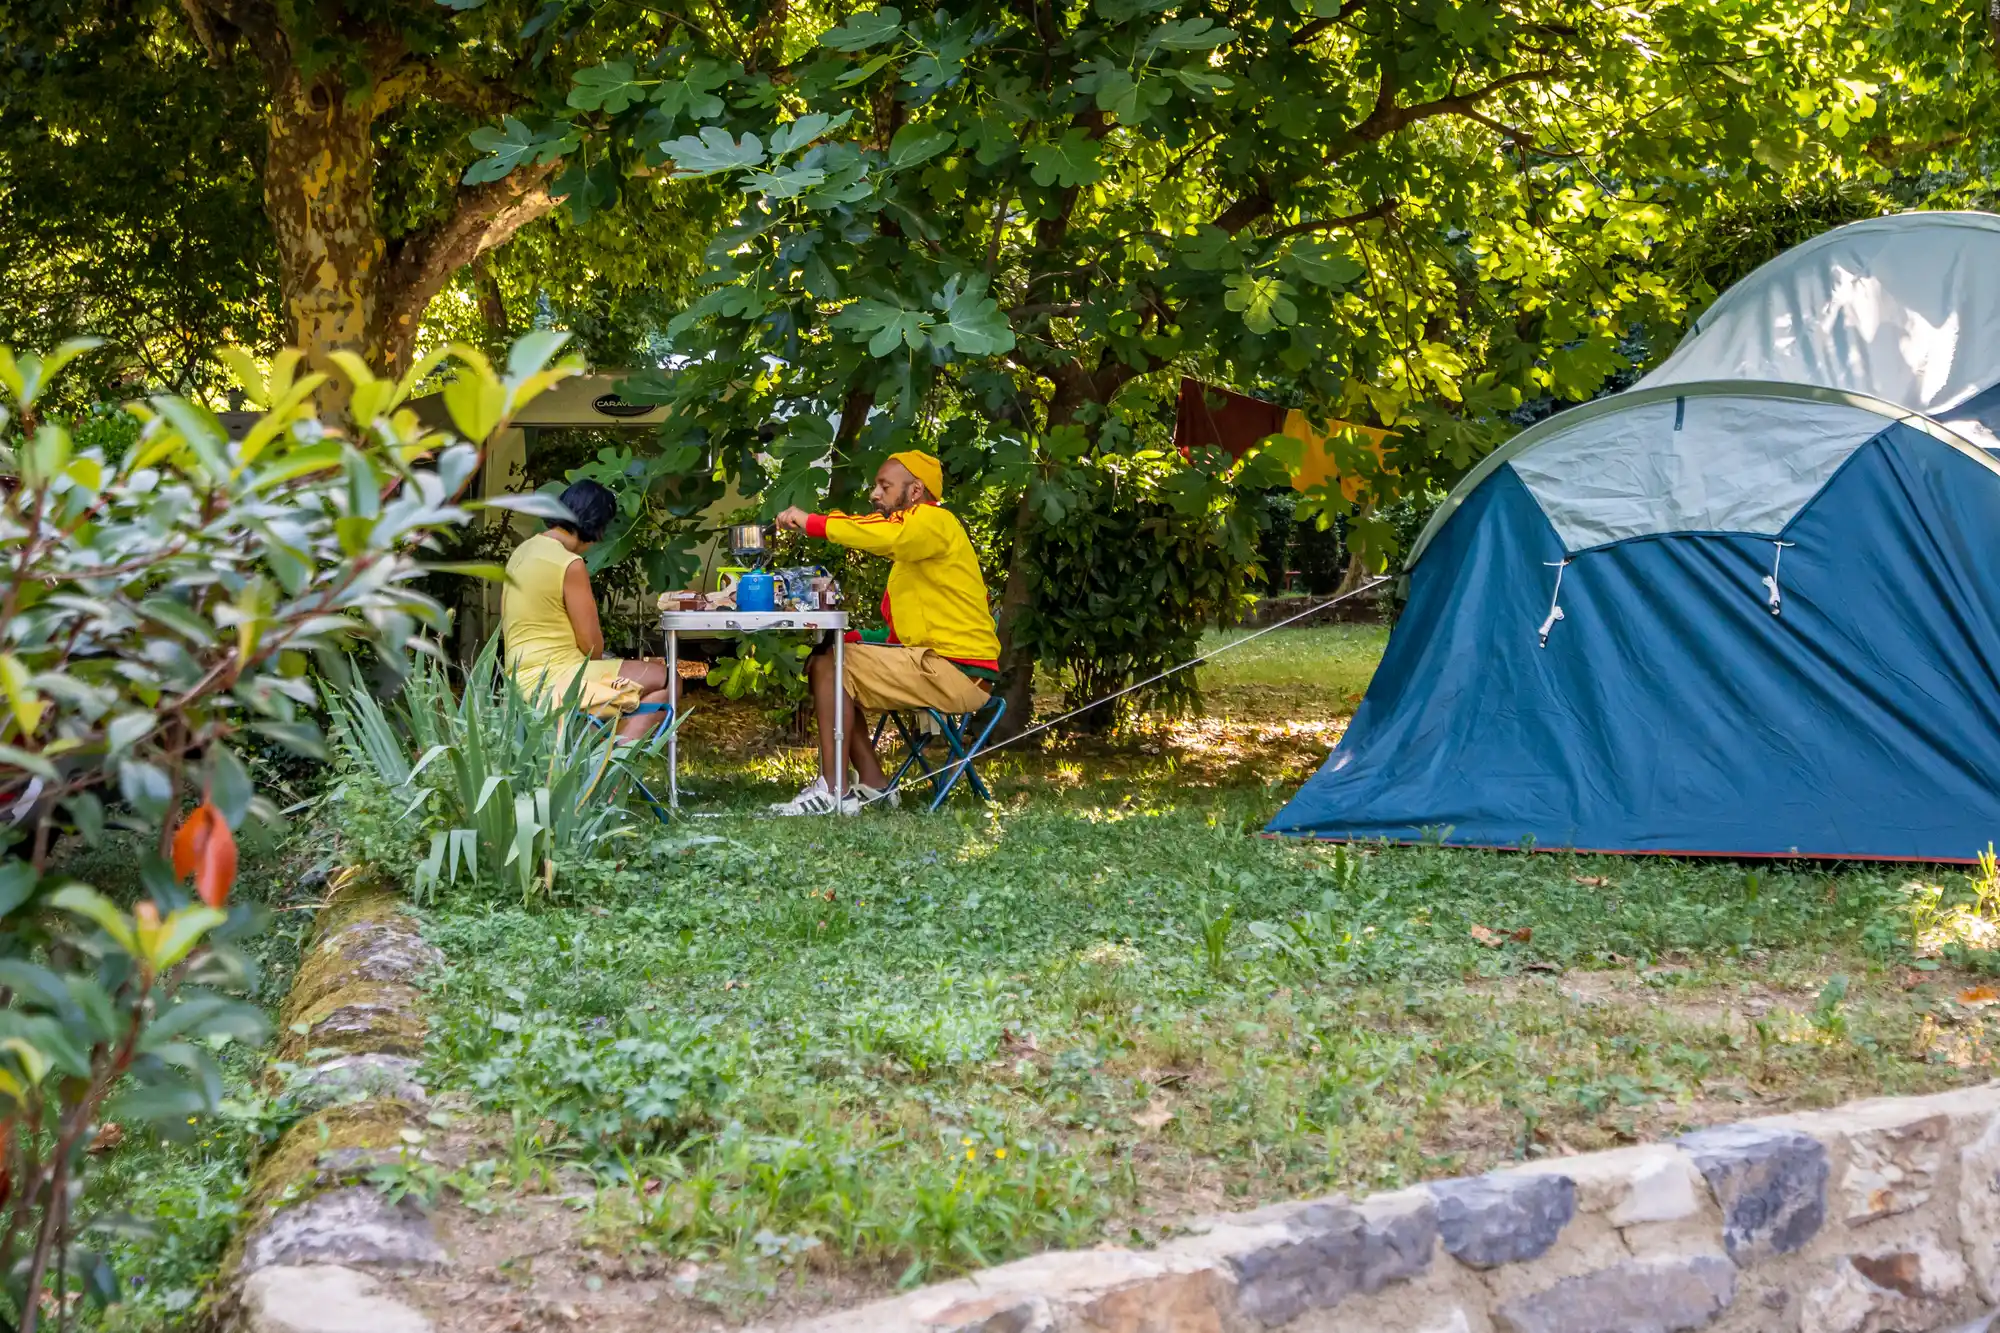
point(940, 650)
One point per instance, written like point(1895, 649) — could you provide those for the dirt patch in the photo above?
point(532, 1264)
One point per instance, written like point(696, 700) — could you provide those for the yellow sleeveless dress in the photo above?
point(541, 652)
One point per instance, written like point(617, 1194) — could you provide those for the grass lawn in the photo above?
point(753, 1066)
point(1292, 672)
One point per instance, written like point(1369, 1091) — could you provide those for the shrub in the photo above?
point(164, 592)
point(507, 789)
point(1141, 558)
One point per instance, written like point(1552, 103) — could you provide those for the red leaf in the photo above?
point(205, 848)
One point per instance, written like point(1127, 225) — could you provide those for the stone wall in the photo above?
point(352, 1034)
point(1875, 1217)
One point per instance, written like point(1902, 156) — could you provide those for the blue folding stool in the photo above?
point(964, 734)
point(667, 710)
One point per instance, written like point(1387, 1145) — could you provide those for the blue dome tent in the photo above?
point(1750, 607)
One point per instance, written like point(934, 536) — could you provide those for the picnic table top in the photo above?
point(752, 621)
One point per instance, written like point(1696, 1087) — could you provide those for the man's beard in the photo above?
point(888, 509)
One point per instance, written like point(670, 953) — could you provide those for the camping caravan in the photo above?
point(1750, 607)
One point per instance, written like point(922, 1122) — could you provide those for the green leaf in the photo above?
point(177, 617)
point(229, 784)
point(534, 504)
point(24, 701)
point(712, 152)
point(611, 88)
point(200, 428)
point(918, 143)
point(145, 787)
point(887, 325)
point(693, 96)
point(17, 882)
point(1322, 263)
point(35, 983)
point(86, 902)
point(973, 324)
point(514, 144)
point(45, 455)
point(795, 134)
point(1264, 302)
point(1070, 161)
point(863, 73)
point(201, 1015)
point(15, 757)
point(1195, 34)
point(472, 569)
point(1202, 82)
point(298, 737)
point(181, 932)
point(533, 351)
point(86, 811)
point(167, 1106)
point(869, 28)
point(786, 183)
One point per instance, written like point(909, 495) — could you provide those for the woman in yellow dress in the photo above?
point(548, 620)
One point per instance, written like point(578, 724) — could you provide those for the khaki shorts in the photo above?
point(888, 677)
point(604, 693)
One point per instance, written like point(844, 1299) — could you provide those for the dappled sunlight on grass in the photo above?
point(1152, 1012)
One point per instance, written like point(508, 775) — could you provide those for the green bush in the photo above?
point(507, 789)
point(166, 589)
point(1126, 572)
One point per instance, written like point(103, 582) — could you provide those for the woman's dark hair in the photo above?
point(594, 506)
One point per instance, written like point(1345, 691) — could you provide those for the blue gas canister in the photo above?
point(756, 591)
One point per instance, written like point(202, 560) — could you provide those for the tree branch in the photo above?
point(1053, 309)
point(1320, 25)
point(421, 264)
point(1383, 209)
point(1385, 119)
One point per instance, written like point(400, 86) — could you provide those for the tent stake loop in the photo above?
point(1555, 606)
point(1771, 581)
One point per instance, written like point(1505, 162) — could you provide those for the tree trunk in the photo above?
point(319, 190)
point(1356, 574)
point(1017, 664)
point(345, 286)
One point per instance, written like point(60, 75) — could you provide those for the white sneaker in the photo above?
point(817, 799)
point(889, 796)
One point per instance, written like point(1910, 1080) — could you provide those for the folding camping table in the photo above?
point(758, 622)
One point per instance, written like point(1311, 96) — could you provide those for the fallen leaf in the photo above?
point(1013, 1043)
point(1492, 939)
point(732, 984)
point(109, 1135)
point(1153, 1117)
point(1973, 997)
point(1909, 978)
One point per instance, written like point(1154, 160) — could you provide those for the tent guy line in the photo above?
point(942, 769)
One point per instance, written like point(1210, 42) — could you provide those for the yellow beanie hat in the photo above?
point(924, 468)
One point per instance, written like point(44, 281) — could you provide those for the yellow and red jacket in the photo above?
point(936, 597)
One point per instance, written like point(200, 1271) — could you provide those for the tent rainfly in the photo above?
point(1750, 607)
